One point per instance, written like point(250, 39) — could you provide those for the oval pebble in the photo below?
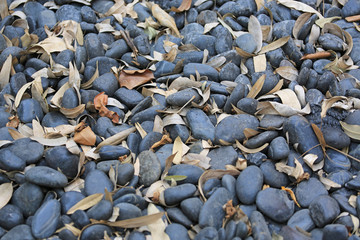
point(95, 232)
point(175, 195)
point(248, 184)
point(45, 176)
point(150, 168)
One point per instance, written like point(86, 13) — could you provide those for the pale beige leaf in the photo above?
point(248, 150)
point(4, 10)
point(15, 134)
point(257, 87)
point(259, 4)
point(38, 130)
point(314, 34)
point(73, 229)
point(181, 83)
point(50, 142)
point(295, 172)
point(140, 129)
point(235, 34)
point(74, 76)
point(157, 227)
point(89, 83)
point(310, 159)
point(321, 22)
point(6, 190)
point(164, 19)
point(115, 102)
point(259, 63)
point(353, 131)
point(157, 187)
point(173, 119)
point(115, 139)
point(299, 6)
point(356, 224)
point(73, 112)
point(56, 99)
point(328, 103)
point(277, 87)
point(5, 72)
point(300, 21)
point(86, 203)
point(254, 28)
point(209, 26)
point(200, 160)
point(244, 54)
point(276, 108)
point(327, 182)
point(217, 62)
point(50, 44)
point(178, 150)
point(137, 222)
point(289, 98)
point(158, 124)
point(287, 72)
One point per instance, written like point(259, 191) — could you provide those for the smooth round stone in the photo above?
point(164, 68)
point(177, 232)
point(182, 97)
point(207, 233)
point(60, 158)
point(272, 121)
point(147, 114)
point(17, 81)
point(132, 198)
point(68, 12)
point(177, 216)
point(102, 124)
point(150, 168)
point(4, 117)
point(247, 105)
point(93, 46)
point(191, 208)
point(67, 234)
point(10, 162)
point(273, 177)
point(22, 231)
point(239, 92)
point(135, 235)
point(10, 216)
point(69, 199)
point(46, 176)
point(354, 183)
point(163, 153)
point(202, 42)
point(101, 211)
point(128, 97)
point(70, 99)
point(344, 205)
point(211, 214)
point(335, 161)
point(210, 186)
point(200, 124)
point(5, 135)
point(237, 123)
point(308, 190)
point(30, 109)
point(229, 72)
point(278, 149)
point(302, 219)
point(351, 8)
point(275, 204)
point(248, 184)
point(301, 132)
point(229, 182)
point(125, 173)
point(331, 42)
point(291, 233)
point(110, 152)
point(105, 166)
point(335, 231)
point(222, 156)
point(245, 8)
point(202, 69)
point(14, 51)
point(320, 64)
point(28, 198)
point(54, 119)
point(106, 83)
point(88, 14)
point(142, 44)
point(96, 181)
point(95, 232)
point(64, 57)
point(142, 105)
point(260, 139)
point(323, 210)
point(191, 172)
point(128, 211)
point(150, 139)
point(246, 42)
point(178, 130)
point(259, 227)
point(175, 195)
point(46, 219)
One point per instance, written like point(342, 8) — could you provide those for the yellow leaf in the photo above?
point(86, 203)
point(6, 190)
point(292, 195)
point(164, 19)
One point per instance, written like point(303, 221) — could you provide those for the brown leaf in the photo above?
point(4, 10)
point(100, 102)
point(185, 5)
point(164, 140)
point(318, 55)
point(165, 19)
point(133, 78)
point(14, 122)
point(6, 190)
point(243, 53)
point(292, 195)
point(319, 136)
point(300, 21)
point(86, 203)
point(5, 72)
point(354, 18)
point(257, 87)
point(85, 137)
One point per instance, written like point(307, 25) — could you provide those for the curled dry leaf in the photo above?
point(321, 22)
point(185, 5)
point(254, 28)
point(134, 78)
point(73, 112)
point(319, 136)
point(165, 139)
point(287, 72)
point(275, 45)
point(14, 122)
point(165, 19)
point(299, 6)
point(353, 131)
point(276, 108)
point(310, 159)
point(115, 139)
point(53, 142)
point(85, 136)
point(157, 227)
point(4, 10)
point(289, 98)
point(248, 150)
point(180, 149)
point(292, 195)
point(300, 21)
point(209, 174)
point(257, 87)
point(297, 172)
point(327, 182)
point(15, 134)
point(100, 102)
point(5, 72)
point(86, 203)
point(137, 222)
point(328, 103)
point(6, 190)
point(181, 83)
point(318, 55)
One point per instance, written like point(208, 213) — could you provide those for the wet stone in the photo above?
point(96, 181)
point(222, 156)
point(177, 232)
point(323, 210)
point(191, 172)
point(175, 195)
point(191, 208)
point(95, 232)
point(10, 162)
point(335, 231)
point(150, 168)
point(135, 235)
point(248, 184)
point(343, 202)
point(10, 216)
point(46, 219)
point(22, 231)
point(30, 109)
point(237, 123)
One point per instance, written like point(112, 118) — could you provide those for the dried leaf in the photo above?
point(328, 103)
point(115, 139)
point(86, 203)
point(254, 28)
point(185, 5)
point(133, 78)
point(318, 55)
point(4, 10)
point(353, 131)
point(276, 108)
point(73, 112)
point(248, 150)
point(295, 172)
point(181, 83)
point(13, 122)
point(6, 190)
point(259, 4)
point(73, 229)
point(209, 26)
point(277, 87)
point(100, 102)
point(137, 222)
point(354, 18)
point(89, 83)
point(56, 99)
point(209, 174)
point(164, 19)
point(289, 98)
point(165, 139)
point(178, 150)
point(173, 119)
point(321, 22)
point(310, 159)
point(175, 178)
point(319, 136)
point(86, 137)
point(299, 6)
point(257, 87)
point(235, 34)
point(5, 71)
point(259, 63)
point(168, 164)
point(243, 53)
point(50, 142)
point(287, 72)
point(49, 45)
point(327, 182)
point(275, 45)
point(300, 21)
point(292, 195)
point(314, 34)
point(157, 227)
point(15, 134)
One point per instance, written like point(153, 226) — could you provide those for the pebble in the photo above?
point(106, 83)
point(150, 168)
point(202, 69)
point(261, 139)
point(323, 210)
point(301, 219)
point(22, 231)
point(175, 195)
point(69, 199)
point(191, 172)
point(177, 232)
point(128, 211)
point(222, 156)
point(95, 232)
point(10, 162)
point(46, 176)
point(259, 227)
point(10, 216)
point(177, 216)
point(182, 97)
point(96, 181)
point(200, 125)
point(308, 190)
point(191, 208)
point(112, 152)
point(278, 149)
point(30, 109)
point(60, 158)
point(272, 177)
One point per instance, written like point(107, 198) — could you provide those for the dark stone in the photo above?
point(125, 173)
point(202, 69)
point(246, 42)
point(278, 149)
point(46, 176)
point(10, 216)
point(177, 216)
point(323, 210)
point(308, 190)
point(106, 83)
point(260, 139)
point(68, 12)
point(248, 184)
point(301, 219)
point(351, 8)
point(200, 125)
point(11, 162)
point(54, 119)
point(128, 97)
point(222, 156)
point(259, 227)
point(69, 199)
point(150, 168)
point(60, 158)
point(180, 98)
point(335, 161)
point(30, 109)
point(96, 181)
point(101, 211)
point(46, 219)
point(191, 172)
point(191, 208)
point(273, 177)
point(93, 46)
point(177, 232)
point(95, 232)
point(112, 152)
point(22, 231)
